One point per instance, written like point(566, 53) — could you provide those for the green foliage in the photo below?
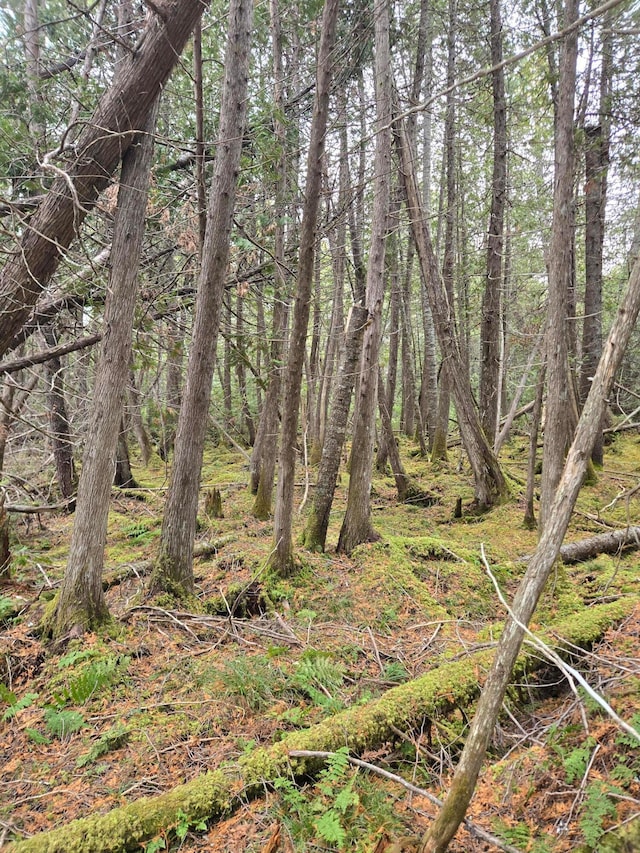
point(7, 608)
point(185, 824)
point(112, 739)
point(36, 736)
point(92, 679)
point(341, 810)
point(596, 808)
point(15, 705)
point(575, 762)
point(254, 679)
point(395, 671)
point(318, 677)
point(61, 724)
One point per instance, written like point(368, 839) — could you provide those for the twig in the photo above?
point(473, 828)
point(566, 669)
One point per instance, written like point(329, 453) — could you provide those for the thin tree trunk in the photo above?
point(556, 435)
point(123, 477)
point(490, 485)
point(59, 422)
point(282, 559)
point(137, 423)
point(490, 397)
point(315, 533)
point(357, 527)
point(174, 567)
point(81, 600)
point(265, 448)
point(536, 416)
point(526, 599)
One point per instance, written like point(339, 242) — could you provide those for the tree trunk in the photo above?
point(123, 477)
point(62, 444)
point(121, 113)
point(282, 558)
point(490, 485)
point(357, 527)
point(556, 435)
point(444, 828)
point(174, 567)
point(315, 533)
point(491, 302)
point(265, 448)
point(137, 423)
point(81, 600)
point(529, 520)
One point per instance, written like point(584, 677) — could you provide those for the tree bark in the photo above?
point(121, 113)
point(81, 600)
point(174, 567)
point(556, 436)
point(357, 527)
point(526, 599)
point(282, 559)
point(59, 422)
point(490, 485)
point(490, 396)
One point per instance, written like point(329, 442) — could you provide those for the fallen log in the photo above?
point(604, 543)
point(215, 794)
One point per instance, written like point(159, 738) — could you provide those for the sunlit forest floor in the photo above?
point(169, 691)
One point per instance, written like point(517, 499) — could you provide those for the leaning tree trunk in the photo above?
point(556, 435)
point(444, 828)
point(174, 567)
point(356, 526)
point(282, 558)
point(490, 485)
point(81, 601)
point(121, 113)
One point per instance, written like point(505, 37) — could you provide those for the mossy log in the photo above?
point(215, 794)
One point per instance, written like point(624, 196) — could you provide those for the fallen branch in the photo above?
point(215, 794)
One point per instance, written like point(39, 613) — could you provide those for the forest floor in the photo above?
point(166, 693)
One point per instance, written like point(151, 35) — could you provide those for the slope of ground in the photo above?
point(166, 693)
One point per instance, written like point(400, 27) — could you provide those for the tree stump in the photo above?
point(213, 503)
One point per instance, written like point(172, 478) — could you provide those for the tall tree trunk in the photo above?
point(265, 448)
point(439, 447)
point(174, 568)
point(123, 477)
point(121, 113)
point(81, 600)
point(529, 519)
point(595, 199)
point(315, 533)
point(490, 485)
point(357, 527)
point(490, 396)
point(282, 559)
point(526, 599)
point(556, 435)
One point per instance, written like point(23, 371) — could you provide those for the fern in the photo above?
point(597, 807)
point(112, 739)
point(15, 705)
point(330, 829)
point(61, 724)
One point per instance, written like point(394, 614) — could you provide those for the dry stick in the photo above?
point(566, 669)
point(473, 828)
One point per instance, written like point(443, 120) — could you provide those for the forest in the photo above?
point(319, 426)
